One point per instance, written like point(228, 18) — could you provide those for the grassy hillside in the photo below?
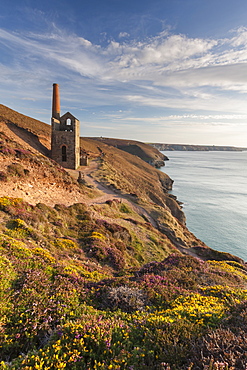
point(126, 173)
point(30, 124)
point(144, 151)
point(131, 175)
point(114, 284)
point(76, 293)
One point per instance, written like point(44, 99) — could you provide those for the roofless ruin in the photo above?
point(65, 137)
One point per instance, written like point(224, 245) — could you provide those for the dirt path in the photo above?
point(107, 193)
point(49, 192)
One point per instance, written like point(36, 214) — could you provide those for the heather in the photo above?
point(76, 293)
point(104, 274)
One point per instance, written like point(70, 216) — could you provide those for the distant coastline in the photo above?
point(185, 147)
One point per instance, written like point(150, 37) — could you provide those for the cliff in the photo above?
point(103, 273)
point(144, 151)
point(126, 176)
point(186, 147)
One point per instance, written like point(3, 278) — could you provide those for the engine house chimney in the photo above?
point(56, 102)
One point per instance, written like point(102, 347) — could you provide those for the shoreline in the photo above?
point(189, 147)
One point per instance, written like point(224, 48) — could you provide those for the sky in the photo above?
point(168, 71)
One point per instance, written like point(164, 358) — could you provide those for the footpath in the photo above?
point(108, 193)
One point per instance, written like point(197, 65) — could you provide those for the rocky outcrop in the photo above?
point(175, 208)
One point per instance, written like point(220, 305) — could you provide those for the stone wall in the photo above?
point(65, 144)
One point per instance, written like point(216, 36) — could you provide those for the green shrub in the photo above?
point(124, 208)
point(7, 276)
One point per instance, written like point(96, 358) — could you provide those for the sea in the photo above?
point(213, 189)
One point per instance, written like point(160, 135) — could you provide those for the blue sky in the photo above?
point(172, 71)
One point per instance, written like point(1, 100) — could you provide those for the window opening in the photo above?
point(64, 153)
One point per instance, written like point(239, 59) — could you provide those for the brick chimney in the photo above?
point(56, 102)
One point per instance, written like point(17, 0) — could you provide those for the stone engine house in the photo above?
point(65, 137)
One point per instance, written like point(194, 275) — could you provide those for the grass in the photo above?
point(124, 208)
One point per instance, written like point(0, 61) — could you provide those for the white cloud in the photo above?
point(195, 117)
point(166, 71)
point(85, 42)
point(186, 102)
point(175, 47)
point(226, 77)
point(150, 59)
point(240, 38)
point(123, 35)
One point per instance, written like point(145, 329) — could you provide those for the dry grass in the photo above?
point(30, 124)
point(142, 150)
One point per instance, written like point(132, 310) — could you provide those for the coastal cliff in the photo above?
point(144, 151)
point(128, 176)
point(186, 147)
point(98, 269)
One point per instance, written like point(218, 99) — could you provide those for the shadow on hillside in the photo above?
point(30, 138)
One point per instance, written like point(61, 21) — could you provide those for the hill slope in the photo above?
point(144, 151)
point(104, 274)
point(122, 172)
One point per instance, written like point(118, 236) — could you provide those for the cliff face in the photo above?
point(125, 190)
point(102, 273)
point(144, 151)
point(31, 175)
point(125, 174)
point(185, 147)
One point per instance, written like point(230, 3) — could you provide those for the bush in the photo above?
point(3, 176)
point(125, 298)
point(223, 346)
point(7, 276)
point(22, 153)
point(16, 169)
point(8, 151)
point(105, 252)
point(123, 208)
